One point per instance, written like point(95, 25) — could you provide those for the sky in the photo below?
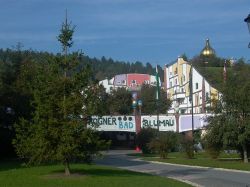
point(154, 31)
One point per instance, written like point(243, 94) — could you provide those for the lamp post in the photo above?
point(191, 100)
point(247, 20)
point(139, 103)
point(137, 115)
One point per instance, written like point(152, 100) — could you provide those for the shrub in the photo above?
point(143, 139)
point(164, 142)
point(213, 139)
point(188, 147)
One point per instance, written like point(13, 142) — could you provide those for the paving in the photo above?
point(197, 176)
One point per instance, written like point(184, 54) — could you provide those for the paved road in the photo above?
point(197, 176)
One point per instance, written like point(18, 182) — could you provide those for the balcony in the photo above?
point(179, 95)
point(183, 105)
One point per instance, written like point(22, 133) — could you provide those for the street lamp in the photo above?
point(137, 114)
point(139, 103)
point(134, 104)
point(247, 20)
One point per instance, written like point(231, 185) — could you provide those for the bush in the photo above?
point(143, 139)
point(164, 142)
point(212, 146)
point(188, 147)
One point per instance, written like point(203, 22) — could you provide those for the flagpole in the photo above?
point(192, 103)
point(191, 100)
point(157, 99)
point(225, 72)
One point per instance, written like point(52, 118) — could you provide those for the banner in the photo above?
point(166, 123)
point(185, 122)
point(112, 123)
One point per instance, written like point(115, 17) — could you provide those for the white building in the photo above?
point(177, 84)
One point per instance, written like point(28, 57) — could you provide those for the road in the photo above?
point(207, 177)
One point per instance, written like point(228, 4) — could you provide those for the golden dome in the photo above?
point(207, 50)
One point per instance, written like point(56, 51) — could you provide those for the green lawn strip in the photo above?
point(82, 175)
point(227, 161)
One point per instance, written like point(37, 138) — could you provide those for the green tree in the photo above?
point(62, 92)
point(148, 97)
point(120, 101)
point(232, 111)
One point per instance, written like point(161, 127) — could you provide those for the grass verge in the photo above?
point(12, 174)
point(226, 161)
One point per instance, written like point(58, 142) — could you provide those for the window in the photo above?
point(123, 82)
point(170, 73)
point(196, 99)
point(183, 78)
point(170, 84)
point(196, 85)
point(183, 111)
point(175, 81)
point(175, 71)
point(207, 96)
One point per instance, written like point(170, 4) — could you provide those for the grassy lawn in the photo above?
point(228, 161)
point(13, 174)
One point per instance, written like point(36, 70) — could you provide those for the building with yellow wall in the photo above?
point(177, 85)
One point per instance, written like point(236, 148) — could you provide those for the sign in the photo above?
point(166, 123)
point(112, 123)
point(185, 122)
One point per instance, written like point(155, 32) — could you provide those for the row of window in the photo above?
point(132, 82)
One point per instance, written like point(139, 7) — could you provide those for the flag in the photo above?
point(157, 83)
point(191, 84)
point(225, 72)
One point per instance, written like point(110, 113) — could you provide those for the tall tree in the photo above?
point(62, 92)
point(232, 111)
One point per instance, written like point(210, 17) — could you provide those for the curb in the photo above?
point(186, 181)
point(201, 167)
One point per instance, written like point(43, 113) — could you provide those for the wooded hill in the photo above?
point(102, 68)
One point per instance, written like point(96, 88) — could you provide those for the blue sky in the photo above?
point(154, 31)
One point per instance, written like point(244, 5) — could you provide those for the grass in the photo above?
point(227, 161)
point(13, 174)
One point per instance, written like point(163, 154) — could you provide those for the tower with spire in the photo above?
point(207, 50)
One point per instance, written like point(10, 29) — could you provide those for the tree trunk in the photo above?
point(245, 153)
point(66, 167)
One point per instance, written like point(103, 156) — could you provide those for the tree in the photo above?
point(62, 92)
point(147, 95)
point(120, 101)
point(231, 112)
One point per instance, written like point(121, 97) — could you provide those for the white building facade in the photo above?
point(177, 85)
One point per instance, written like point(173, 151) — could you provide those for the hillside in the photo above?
point(214, 75)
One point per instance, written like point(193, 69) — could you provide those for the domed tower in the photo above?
point(207, 50)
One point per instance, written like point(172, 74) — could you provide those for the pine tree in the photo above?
point(64, 95)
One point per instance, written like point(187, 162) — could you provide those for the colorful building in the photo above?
point(132, 81)
point(177, 84)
